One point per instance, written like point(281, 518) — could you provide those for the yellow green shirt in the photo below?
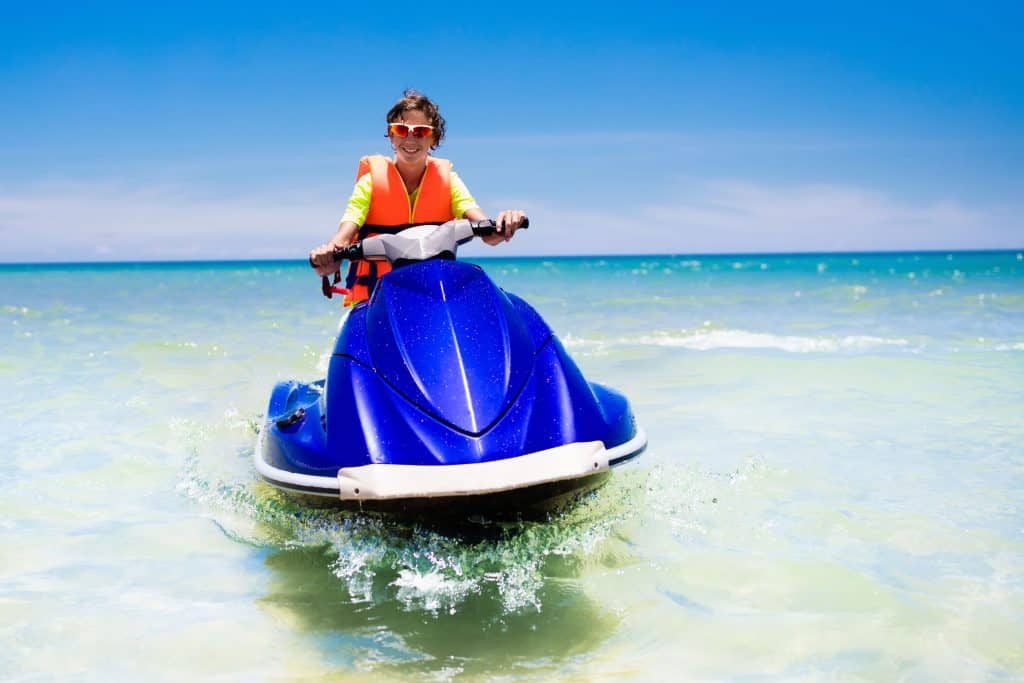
point(359, 203)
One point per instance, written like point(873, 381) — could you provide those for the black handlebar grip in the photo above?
point(352, 252)
point(489, 227)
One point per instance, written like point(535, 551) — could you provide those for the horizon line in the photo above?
point(772, 254)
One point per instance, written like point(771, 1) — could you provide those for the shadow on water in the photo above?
point(476, 637)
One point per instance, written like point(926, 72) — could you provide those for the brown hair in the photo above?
point(414, 100)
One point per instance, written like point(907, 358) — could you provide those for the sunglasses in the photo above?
point(402, 130)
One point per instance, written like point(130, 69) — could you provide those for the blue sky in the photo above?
point(221, 130)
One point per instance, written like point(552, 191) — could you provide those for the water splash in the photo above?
point(379, 558)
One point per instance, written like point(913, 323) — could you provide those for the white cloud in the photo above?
point(740, 216)
point(754, 217)
point(106, 221)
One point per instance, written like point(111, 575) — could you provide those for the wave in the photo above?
point(710, 340)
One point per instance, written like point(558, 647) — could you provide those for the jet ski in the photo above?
point(443, 393)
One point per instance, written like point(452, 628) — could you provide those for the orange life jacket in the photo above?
point(391, 212)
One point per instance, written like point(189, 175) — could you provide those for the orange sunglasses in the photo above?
point(402, 130)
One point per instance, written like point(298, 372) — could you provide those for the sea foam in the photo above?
point(710, 340)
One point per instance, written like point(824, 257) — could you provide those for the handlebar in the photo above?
point(434, 244)
point(484, 228)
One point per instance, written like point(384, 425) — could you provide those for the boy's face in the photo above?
point(411, 149)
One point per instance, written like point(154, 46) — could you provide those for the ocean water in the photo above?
point(833, 487)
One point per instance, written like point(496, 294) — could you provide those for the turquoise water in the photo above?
point(832, 489)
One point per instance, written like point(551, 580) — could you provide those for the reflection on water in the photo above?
point(395, 640)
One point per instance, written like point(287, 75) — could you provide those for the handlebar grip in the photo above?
point(489, 227)
point(352, 252)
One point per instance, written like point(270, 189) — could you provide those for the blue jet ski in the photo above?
point(443, 393)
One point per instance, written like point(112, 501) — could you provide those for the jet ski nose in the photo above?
point(452, 343)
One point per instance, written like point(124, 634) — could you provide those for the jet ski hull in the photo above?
point(444, 392)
